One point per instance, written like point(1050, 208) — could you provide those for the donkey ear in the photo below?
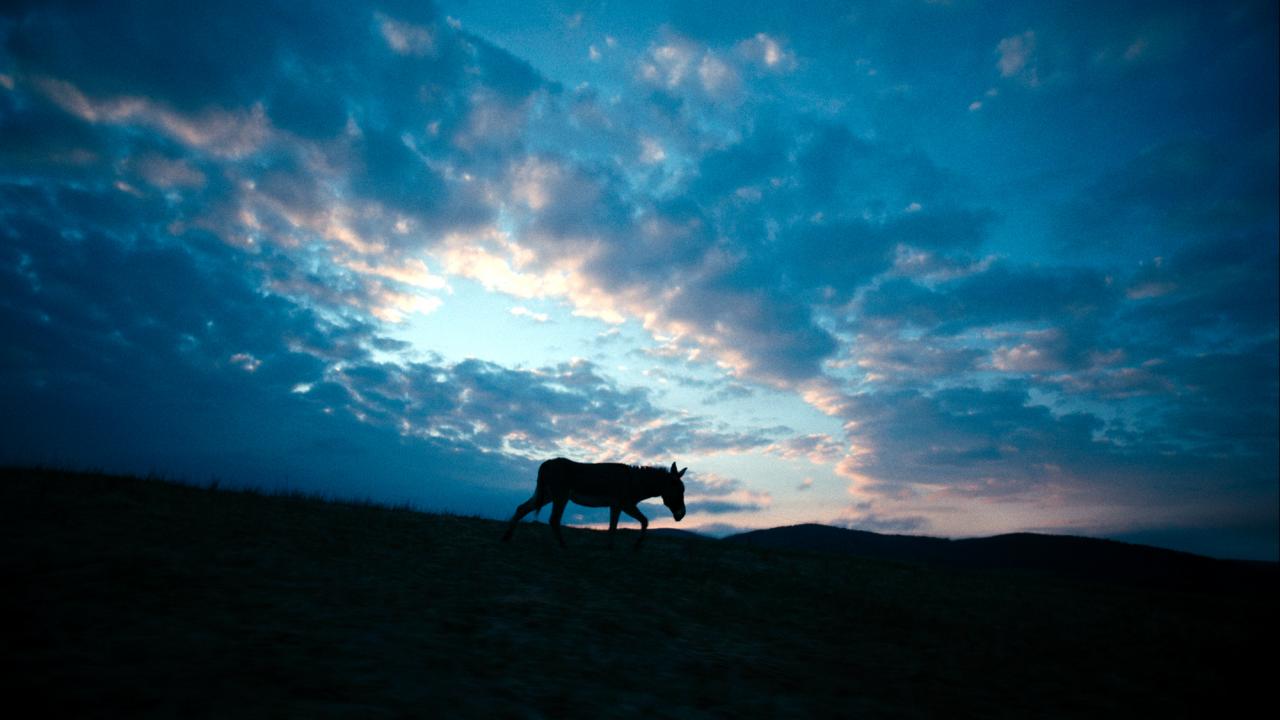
point(681, 473)
point(673, 468)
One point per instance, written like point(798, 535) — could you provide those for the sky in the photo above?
point(946, 268)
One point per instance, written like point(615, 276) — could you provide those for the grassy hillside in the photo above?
point(141, 598)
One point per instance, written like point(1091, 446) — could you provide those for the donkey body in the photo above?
point(613, 485)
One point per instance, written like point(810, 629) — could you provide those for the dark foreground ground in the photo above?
point(139, 598)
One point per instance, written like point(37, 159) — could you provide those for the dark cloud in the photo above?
point(918, 361)
point(1003, 293)
point(153, 49)
point(768, 230)
point(1186, 189)
point(1227, 401)
point(693, 434)
point(141, 350)
point(996, 444)
point(1213, 287)
point(872, 522)
point(38, 135)
point(720, 507)
point(153, 354)
point(777, 335)
point(720, 530)
point(967, 436)
point(729, 391)
point(392, 95)
point(394, 175)
point(716, 495)
point(544, 407)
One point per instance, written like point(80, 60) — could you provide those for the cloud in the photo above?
point(373, 182)
point(722, 506)
point(141, 374)
point(817, 448)
point(522, 311)
point(1002, 293)
point(227, 134)
point(716, 495)
point(250, 225)
point(406, 38)
point(695, 435)
point(1017, 58)
point(959, 445)
point(719, 530)
point(259, 158)
point(884, 355)
point(767, 52)
point(1214, 284)
point(158, 354)
point(970, 436)
point(694, 270)
point(873, 522)
point(1186, 189)
point(717, 76)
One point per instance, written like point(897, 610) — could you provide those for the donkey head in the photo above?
point(673, 495)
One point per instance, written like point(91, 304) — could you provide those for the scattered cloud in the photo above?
point(716, 495)
point(768, 53)
point(872, 522)
point(1017, 58)
point(522, 311)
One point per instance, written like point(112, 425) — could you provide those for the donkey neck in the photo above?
point(646, 482)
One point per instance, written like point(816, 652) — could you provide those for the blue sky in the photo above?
point(954, 268)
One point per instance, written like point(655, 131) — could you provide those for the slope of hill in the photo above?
point(135, 598)
point(1079, 558)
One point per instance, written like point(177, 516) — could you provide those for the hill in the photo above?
point(139, 598)
point(1079, 558)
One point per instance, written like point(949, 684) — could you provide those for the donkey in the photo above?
point(613, 485)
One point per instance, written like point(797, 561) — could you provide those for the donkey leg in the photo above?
point(634, 512)
point(557, 509)
point(523, 509)
point(614, 511)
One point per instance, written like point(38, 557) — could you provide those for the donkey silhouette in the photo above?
point(616, 486)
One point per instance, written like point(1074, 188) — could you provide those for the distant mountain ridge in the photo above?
point(1077, 557)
